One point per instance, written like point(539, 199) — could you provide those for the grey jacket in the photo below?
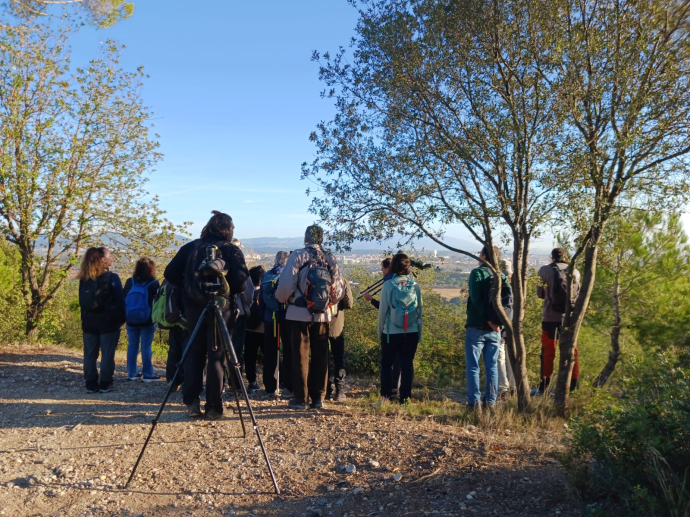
point(547, 276)
point(335, 329)
point(292, 277)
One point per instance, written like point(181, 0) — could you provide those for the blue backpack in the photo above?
point(137, 309)
point(403, 302)
point(269, 284)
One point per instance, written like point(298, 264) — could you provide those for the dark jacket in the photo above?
point(479, 289)
point(152, 289)
point(268, 314)
point(335, 329)
point(374, 301)
point(234, 262)
point(112, 316)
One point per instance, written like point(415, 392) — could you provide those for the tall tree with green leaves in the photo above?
point(75, 147)
point(445, 115)
point(624, 78)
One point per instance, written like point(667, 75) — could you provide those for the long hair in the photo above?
point(400, 265)
point(92, 264)
point(219, 225)
point(144, 269)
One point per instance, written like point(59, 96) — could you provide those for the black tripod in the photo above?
point(212, 310)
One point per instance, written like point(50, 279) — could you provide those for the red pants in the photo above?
point(549, 341)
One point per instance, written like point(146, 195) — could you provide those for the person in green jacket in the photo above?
point(400, 326)
point(481, 337)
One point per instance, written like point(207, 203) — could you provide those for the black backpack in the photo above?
point(559, 289)
point(94, 294)
point(192, 285)
point(506, 299)
point(255, 317)
point(318, 295)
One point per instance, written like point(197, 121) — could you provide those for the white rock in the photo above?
point(350, 469)
point(358, 490)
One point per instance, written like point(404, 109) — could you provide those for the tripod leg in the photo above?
point(277, 374)
point(167, 395)
point(227, 342)
point(231, 375)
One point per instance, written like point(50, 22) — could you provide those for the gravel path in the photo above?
point(64, 452)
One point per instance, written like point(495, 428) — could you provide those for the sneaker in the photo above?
point(286, 394)
point(271, 395)
point(155, 378)
point(214, 413)
point(93, 389)
point(536, 393)
point(194, 409)
point(316, 404)
point(293, 404)
point(380, 402)
point(133, 378)
point(253, 386)
point(339, 396)
point(105, 388)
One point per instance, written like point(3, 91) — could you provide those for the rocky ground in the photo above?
point(64, 452)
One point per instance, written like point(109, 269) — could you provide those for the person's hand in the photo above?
point(494, 326)
point(367, 296)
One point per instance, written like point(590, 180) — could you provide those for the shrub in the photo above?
point(636, 447)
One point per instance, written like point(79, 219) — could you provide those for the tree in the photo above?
point(74, 150)
point(624, 74)
point(445, 115)
point(102, 13)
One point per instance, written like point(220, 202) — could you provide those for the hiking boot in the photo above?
point(380, 402)
point(107, 387)
point(92, 388)
point(293, 404)
point(339, 396)
point(286, 394)
point(214, 413)
point(194, 409)
point(155, 378)
point(253, 386)
point(316, 404)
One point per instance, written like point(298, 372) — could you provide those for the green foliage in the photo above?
point(101, 13)
point(637, 447)
point(11, 306)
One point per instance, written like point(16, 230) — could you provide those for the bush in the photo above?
point(636, 448)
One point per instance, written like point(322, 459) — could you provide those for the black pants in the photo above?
point(177, 340)
point(276, 338)
point(252, 342)
point(203, 347)
point(106, 345)
point(395, 372)
point(309, 378)
point(336, 373)
point(239, 333)
point(405, 346)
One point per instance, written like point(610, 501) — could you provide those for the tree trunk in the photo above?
point(573, 322)
point(515, 341)
point(33, 316)
point(614, 353)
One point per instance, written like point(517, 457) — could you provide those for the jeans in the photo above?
point(309, 378)
point(239, 331)
point(106, 345)
point(478, 341)
point(137, 335)
point(177, 341)
point(403, 346)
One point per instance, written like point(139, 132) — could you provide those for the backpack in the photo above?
point(559, 289)
point(192, 285)
point(506, 299)
point(166, 309)
point(269, 285)
point(318, 295)
point(403, 301)
point(137, 309)
point(95, 293)
point(254, 319)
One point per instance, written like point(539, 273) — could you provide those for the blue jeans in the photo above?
point(137, 335)
point(476, 342)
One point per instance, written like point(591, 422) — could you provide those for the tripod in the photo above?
point(213, 310)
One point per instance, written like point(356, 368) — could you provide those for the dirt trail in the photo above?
point(64, 452)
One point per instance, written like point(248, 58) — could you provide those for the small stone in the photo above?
point(469, 497)
point(321, 501)
point(471, 428)
point(473, 493)
point(350, 469)
point(358, 490)
point(374, 463)
point(330, 488)
point(397, 477)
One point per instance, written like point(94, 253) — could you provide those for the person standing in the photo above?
point(395, 369)
point(482, 336)
point(336, 338)
point(553, 290)
point(206, 349)
point(400, 326)
point(140, 290)
point(243, 302)
point(102, 307)
point(255, 329)
point(311, 285)
point(506, 379)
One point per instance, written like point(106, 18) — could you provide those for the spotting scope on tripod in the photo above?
point(210, 275)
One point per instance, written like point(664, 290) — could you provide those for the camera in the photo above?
point(211, 273)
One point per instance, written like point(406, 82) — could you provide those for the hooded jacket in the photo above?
point(293, 282)
point(338, 321)
point(548, 276)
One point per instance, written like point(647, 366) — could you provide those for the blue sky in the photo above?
point(235, 96)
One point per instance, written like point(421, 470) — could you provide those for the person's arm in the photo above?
point(174, 272)
point(237, 270)
point(153, 290)
point(384, 308)
point(475, 287)
point(128, 286)
point(118, 292)
point(337, 280)
point(541, 285)
point(348, 299)
point(375, 303)
point(287, 283)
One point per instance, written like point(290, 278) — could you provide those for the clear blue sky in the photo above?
point(235, 96)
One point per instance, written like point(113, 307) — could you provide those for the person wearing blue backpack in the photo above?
point(140, 290)
point(400, 327)
point(483, 331)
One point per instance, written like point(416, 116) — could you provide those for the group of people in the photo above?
point(293, 313)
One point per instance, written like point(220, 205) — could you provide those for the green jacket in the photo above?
point(479, 288)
